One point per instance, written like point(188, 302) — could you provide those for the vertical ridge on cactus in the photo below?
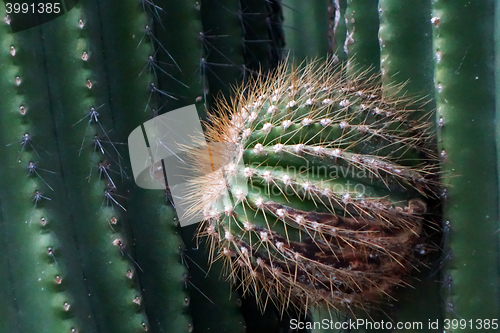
point(303, 37)
point(79, 104)
point(362, 44)
point(465, 99)
point(405, 37)
point(138, 94)
point(44, 277)
point(343, 238)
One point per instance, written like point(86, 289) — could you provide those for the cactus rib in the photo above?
point(465, 99)
point(293, 245)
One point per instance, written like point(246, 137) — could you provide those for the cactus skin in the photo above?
point(157, 245)
point(465, 97)
point(222, 47)
point(338, 29)
point(105, 244)
point(179, 56)
point(406, 57)
point(319, 119)
point(309, 40)
point(8, 317)
point(63, 100)
point(263, 39)
point(362, 43)
point(36, 240)
point(406, 47)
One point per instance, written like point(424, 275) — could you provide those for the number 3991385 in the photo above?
point(33, 8)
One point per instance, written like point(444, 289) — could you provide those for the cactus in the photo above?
point(66, 95)
point(464, 80)
point(86, 250)
point(326, 188)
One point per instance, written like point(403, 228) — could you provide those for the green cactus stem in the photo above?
point(44, 286)
point(338, 29)
point(92, 173)
point(222, 58)
point(263, 36)
point(465, 98)
point(91, 104)
point(303, 39)
point(406, 47)
point(362, 43)
point(136, 96)
point(406, 58)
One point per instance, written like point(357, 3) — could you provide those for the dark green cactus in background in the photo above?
point(84, 249)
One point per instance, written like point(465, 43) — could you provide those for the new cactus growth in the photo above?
point(320, 195)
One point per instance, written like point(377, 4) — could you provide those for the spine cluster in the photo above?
point(322, 189)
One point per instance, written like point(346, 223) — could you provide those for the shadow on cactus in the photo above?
point(321, 194)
